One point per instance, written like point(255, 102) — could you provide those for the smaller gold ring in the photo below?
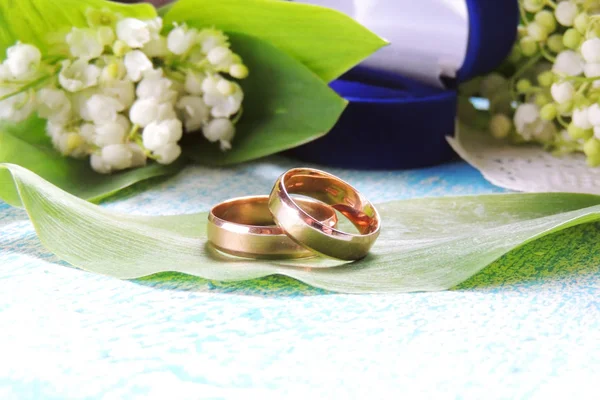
point(244, 227)
point(311, 233)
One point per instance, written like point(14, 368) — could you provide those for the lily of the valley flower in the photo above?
point(181, 39)
point(23, 60)
point(137, 63)
point(78, 75)
point(221, 130)
point(195, 112)
point(102, 109)
point(125, 91)
point(84, 43)
point(159, 134)
point(134, 32)
point(53, 104)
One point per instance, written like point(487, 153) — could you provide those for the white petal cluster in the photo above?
point(127, 92)
point(529, 125)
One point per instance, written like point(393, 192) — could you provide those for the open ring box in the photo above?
point(403, 99)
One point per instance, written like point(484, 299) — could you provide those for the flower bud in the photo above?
point(591, 148)
point(579, 133)
point(548, 112)
point(533, 6)
point(537, 32)
point(572, 39)
point(555, 43)
point(238, 71)
point(546, 79)
point(500, 126)
point(528, 46)
point(523, 85)
point(581, 22)
point(546, 19)
point(541, 99)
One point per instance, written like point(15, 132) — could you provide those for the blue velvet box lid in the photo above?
point(393, 122)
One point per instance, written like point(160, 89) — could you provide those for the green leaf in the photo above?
point(31, 21)
point(27, 145)
point(325, 40)
point(285, 105)
point(425, 244)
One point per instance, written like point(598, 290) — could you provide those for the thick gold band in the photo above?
point(244, 227)
point(311, 233)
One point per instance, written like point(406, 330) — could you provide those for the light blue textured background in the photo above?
point(527, 330)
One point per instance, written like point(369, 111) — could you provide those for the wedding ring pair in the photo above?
point(285, 225)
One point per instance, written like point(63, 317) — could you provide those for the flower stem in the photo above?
point(31, 85)
point(238, 116)
point(133, 132)
point(532, 61)
point(547, 55)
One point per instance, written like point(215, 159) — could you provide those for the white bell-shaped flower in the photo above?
point(54, 104)
point(78, 75)
point(117, 156)
point(590, 50)
point(16, 108)
point(5, 74)
point(138, 156)
point(193, 83)
point(113, 132)
point(211, 38)
point(157, 87)
point(591, 70)
point(102, 109)
point(568, 63)
point(134, 32)
point(224, 106)
point(88, 132)
point(221, 58)
point(166, 111)
point(113, 70)
point(562, 92)
point(580, 118)
point(137, 63)
point(565, 13)
point(594, 114)
point(23, 60)
point(221, 130)
point(159, 134)
point(195, 112)
point(99, 165)
point(527, 121)
point(143, 112)
point(84, 43)
point(120, 90)
point(168, 153)
point(181, 39)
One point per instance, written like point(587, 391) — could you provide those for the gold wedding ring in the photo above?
point(244, 227)
point(311, 233)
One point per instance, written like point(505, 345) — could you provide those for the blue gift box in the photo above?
point(395, 122)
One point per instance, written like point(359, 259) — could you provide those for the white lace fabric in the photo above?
point(524, 168)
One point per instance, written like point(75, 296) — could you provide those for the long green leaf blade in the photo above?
point(426, 244)
point(325, 40)
point(285, 105)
